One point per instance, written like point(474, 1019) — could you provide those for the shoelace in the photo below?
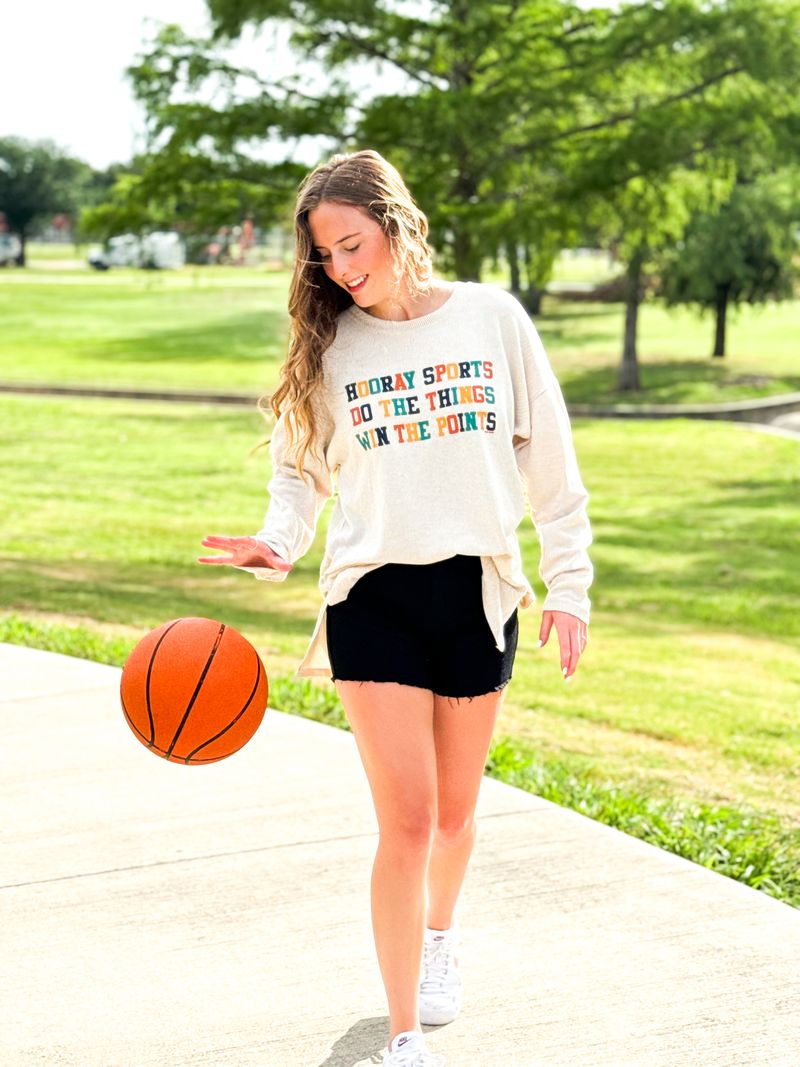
point(437, 960)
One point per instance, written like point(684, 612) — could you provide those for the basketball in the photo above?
point(194, 690)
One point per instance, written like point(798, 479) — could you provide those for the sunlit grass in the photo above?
point(226, 328)
point(681, 723)
point(689, 683)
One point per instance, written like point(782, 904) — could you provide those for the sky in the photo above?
point(62, 73)
point(61, 76)
point(64, 78)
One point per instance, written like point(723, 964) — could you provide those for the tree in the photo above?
point(500, 102)
point(37, 179)
point(518, 120)
point(742, 253)
point(438, 132)
point(180, 191)
point(639, 222)
point(714, 91)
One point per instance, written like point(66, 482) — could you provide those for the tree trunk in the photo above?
point(533, 294)
point(721, 307)
point(466, 257)
point(513, 266)
point(23, 240)
point(629, 368)
point(533, 300)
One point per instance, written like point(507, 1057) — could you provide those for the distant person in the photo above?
point(433, 406)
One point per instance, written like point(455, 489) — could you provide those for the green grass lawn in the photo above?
point(689, 690)
point(584, 342)
point(226, 328)
point(689, 686)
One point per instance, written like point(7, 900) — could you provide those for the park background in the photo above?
point(630, 172)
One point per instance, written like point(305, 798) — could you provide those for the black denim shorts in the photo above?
point(422, 625)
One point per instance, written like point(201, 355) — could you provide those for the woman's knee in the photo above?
point(410, 831)
point(454, 830)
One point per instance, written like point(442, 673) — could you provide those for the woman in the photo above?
point(435, 407)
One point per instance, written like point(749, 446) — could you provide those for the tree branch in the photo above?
point(615, 120)
point(372, 50)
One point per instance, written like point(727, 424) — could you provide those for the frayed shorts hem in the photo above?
point(446, 696)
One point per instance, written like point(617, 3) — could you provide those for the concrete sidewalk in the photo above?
point(155, 914)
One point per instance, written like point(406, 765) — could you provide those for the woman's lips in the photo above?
point(358, 288)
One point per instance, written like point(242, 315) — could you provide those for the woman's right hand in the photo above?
point(243, 552)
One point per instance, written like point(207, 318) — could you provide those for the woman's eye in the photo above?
point(327, 259)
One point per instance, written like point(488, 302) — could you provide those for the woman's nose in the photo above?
point(339, 266)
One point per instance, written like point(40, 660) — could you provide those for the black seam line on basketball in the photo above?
point(151, 745)
point(132, 724)
point(198, 687)
point(240, 852)
point(152, 739)
point(216, 737)
point(141, 736)
point(178, 759)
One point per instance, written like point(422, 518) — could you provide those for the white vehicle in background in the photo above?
point(122, 251)
point(161, 250)
point(164, 250)
point(10, 249)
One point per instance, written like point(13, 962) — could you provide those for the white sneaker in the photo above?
point(412, 1053)
point(440, 988)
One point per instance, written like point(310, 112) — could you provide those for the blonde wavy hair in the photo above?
point(360, 179)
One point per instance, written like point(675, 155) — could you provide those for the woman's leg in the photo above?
point(393, 728)
point(462, 733)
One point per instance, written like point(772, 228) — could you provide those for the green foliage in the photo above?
point(301, 696)
point(741, 253)
point(191, 192)
point(37, 180)
point(84, 642)
point(124, 212)
point(518, 123)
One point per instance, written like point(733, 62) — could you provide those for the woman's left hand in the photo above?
point(572, 638)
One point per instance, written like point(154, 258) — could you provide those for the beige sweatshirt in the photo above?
point(432, 432)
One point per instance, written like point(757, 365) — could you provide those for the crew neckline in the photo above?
point(392, 325)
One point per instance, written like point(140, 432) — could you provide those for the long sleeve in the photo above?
point(295, 504)
point(546, 460)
